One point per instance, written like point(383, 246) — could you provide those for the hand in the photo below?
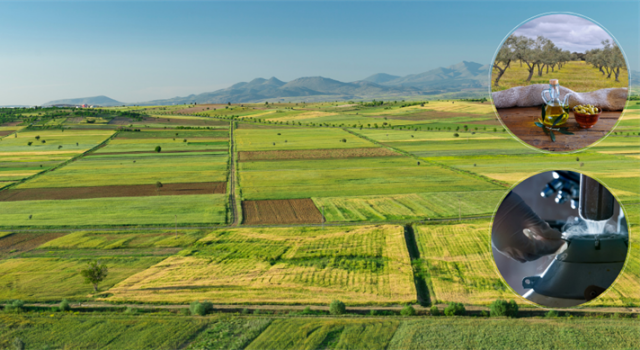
point(520, 234)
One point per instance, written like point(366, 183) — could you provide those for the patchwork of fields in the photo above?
point(373, 167)
point(137, 178)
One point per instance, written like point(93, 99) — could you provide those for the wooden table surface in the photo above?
point(520, 121)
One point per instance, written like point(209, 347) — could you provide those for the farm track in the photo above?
point(235, 220)
point(195, 227)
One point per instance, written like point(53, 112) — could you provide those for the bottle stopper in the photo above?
point(553, 81)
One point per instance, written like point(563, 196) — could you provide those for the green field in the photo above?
point(410, 206)
point(191, 209)
point(134, 170)
point(296, 138)
point(19, 160)
point(166, 331)
point(68, 331)
point(350, 177)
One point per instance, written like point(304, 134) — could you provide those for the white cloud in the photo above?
point(568, 32)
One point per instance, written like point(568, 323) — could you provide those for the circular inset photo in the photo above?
point(560, 239)
point(559, 82)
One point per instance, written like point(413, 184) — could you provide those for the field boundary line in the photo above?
point(204, 226)
point(73, 159)
point(441, 165)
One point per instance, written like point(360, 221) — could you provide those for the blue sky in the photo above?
point(138, 51)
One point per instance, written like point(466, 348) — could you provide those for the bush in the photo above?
point(158, 149)
point(307, 311)
point(198, 308)
point(256, 312)
point(551, 314)
point(64, 305)
point(454, 309)
point(14, 306)
point(337, 307)
point(434, 311)
point(245, 311)
point(185, 312)
point(408, 311)
point(373, 312)
point(55, 309)
point(503, 308)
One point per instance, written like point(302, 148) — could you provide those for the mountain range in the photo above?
point(465, 79)
point(462, 80)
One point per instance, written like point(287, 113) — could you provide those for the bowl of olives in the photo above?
point(586, 115)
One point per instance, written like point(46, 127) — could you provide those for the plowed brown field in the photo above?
point(315, 154)
point(22, 242)
point(5, 132)
point(63, 193)
point(283, 211)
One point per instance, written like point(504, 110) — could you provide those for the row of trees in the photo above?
point(537, 54)
point(608, 59)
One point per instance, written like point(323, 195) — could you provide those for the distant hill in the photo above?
point(465, 79)
point(381, 78)
point(103, 101)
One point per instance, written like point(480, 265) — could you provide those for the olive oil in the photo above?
point(554, 107)
point(552, 112)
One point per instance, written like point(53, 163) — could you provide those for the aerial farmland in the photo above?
point(279, 208)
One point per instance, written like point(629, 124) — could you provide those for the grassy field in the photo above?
point(359, 265)
point(296, 138)
point(454, 333)
point(200, 209)
point(364, 176)
point(69, 331)
point(326, 334)
point(458, 264)
point(19, 160)
point(578, 76)
point(162, 331)
point(134, 170)
point(410, 206)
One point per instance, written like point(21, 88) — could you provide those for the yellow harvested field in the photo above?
point(358, 265)
point(257, 114)
point(459, 263)
point(514, 177)
point(5, 174)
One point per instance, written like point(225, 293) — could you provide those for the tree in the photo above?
point(95, 273)
point(337, 307)
point(158, 186)
point(64, 305)
point(408, 311)
point(503, 308)
point(158, 149)
point(505, 55)
point(454, 309)
point(38, 137)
